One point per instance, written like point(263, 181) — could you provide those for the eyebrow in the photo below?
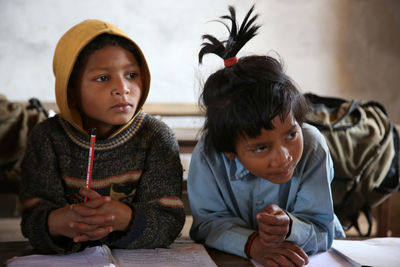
point(292, 127)
point(107, 68)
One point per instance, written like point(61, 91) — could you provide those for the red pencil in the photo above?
point(90, 163)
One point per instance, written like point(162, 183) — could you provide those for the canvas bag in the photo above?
point(364, 146)
point(16, 121)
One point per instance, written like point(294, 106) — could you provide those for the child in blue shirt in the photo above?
point(259, 178)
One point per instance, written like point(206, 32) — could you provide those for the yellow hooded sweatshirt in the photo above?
point(65, 55)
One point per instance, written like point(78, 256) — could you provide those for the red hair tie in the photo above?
point(230, 61)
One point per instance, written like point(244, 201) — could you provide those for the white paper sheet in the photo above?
point(377, 252)
point(328, 259)
point(91, 257)
point(187, 254)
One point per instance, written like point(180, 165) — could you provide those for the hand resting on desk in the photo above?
point(92, 220)
point(269, 247)
point(285, 254)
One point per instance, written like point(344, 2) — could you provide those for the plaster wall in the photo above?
point(346, 48)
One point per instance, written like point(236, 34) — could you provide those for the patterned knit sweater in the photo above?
point(140, 167)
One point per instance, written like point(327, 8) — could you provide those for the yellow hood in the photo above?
point(65, 55)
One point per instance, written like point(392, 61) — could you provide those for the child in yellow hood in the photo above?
point(102, 81)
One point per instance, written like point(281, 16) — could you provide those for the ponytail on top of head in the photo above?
point(245, 96)
point(238, 36)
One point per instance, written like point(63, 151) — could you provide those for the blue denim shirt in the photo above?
point(306, 198)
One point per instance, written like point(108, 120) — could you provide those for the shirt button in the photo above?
point(260, 202)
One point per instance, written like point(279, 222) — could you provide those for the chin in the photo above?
point(278, 179)
point(122, 121)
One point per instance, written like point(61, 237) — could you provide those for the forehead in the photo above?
point(280, 128)
point(110, 54)
point(281, 122)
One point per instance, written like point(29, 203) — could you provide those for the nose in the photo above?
point(281, 157)
point(120, 87)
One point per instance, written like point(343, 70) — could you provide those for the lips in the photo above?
point(122, 106)
point(283, 172)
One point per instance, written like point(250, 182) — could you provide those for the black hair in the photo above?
point(97, 43)
point(244, 98)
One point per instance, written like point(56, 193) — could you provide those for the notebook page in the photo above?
point(90, 257)
point(327, 258)
point(377, 252)
point(191, 254)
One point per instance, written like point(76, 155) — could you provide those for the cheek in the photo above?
point(85, 100)
point(91, 94)
point(256, 165)
point(137, 92)
point(296, 150)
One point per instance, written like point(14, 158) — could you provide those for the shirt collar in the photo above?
point(236, 169)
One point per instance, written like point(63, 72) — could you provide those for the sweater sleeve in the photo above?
point(158, 208)
point(41, 192)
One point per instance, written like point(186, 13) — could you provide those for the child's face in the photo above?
point(274, 154)
point(109, 89)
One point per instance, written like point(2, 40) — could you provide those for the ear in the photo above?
point(230, 155)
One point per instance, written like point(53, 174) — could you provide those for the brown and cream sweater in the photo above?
point(140, 167)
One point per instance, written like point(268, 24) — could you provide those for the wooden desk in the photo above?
point(12, 249)
point(22, 248)
point(227, 260)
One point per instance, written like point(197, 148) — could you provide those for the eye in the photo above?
point(102, 78)
point(132, 75)
point(260, 149)
point(293, 135)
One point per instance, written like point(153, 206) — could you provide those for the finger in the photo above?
point(295, 259)
point(81, 238)
point(273, 230)
point(89, 193)
point(299, 251)
point(295, 253)
point(97, 234)
point(82, 210)
point(280, 260)
point(272, 209)
point(281, 219)
point(101, 220)
point(79, 227)
point(97, 202)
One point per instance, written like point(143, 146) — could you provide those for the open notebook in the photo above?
point(376, 252)
point(190, 254)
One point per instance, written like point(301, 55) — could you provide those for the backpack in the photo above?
point(364, 146)
point(16, 121)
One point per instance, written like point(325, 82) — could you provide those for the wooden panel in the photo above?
point(172, 109)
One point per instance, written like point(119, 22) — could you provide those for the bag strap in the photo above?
point(368, 215)
point(332, 104)
point(35, 103)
